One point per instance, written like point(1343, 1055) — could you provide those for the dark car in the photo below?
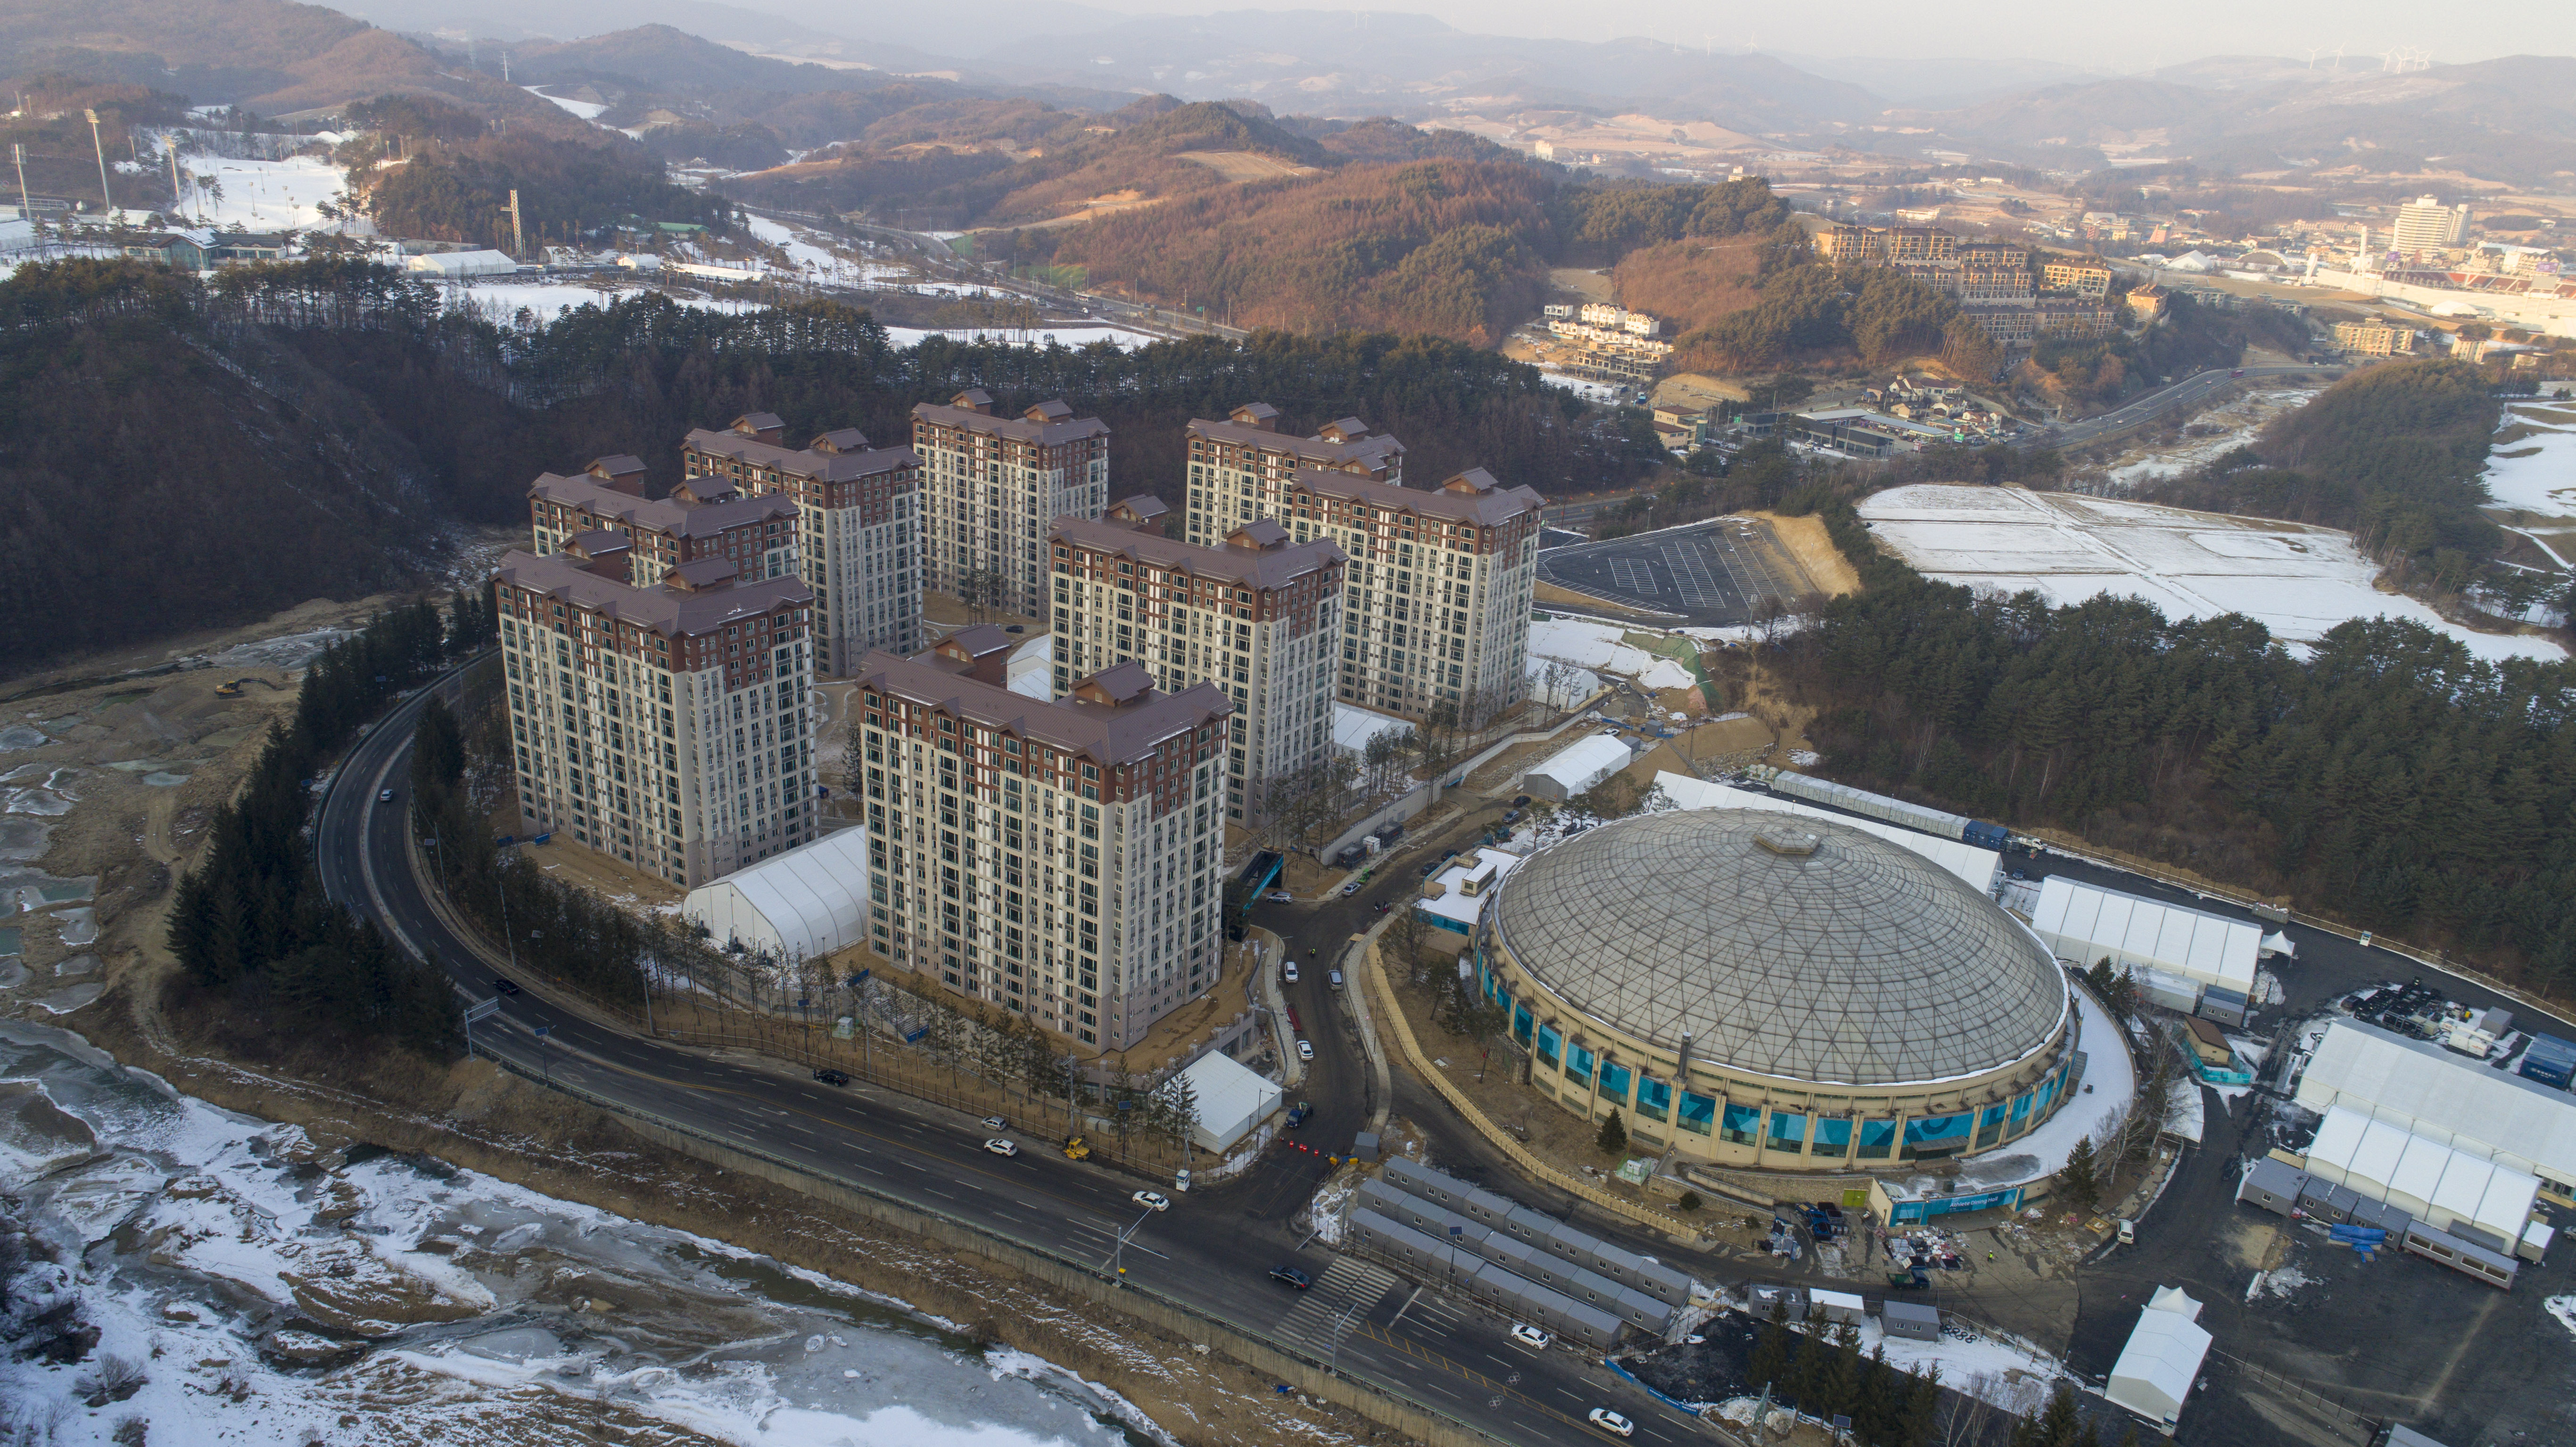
point(1298, 1116)
point(1292, 1276)
point(1520, 801)
point(504, 987)
point(829, 1076)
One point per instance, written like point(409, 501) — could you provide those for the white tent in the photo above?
point(1980, 868)
point(2438, 1184)
point(1232, 1100)
point(1577, 767)
point(462, 263)
point(2423, 1090)
point(2162, 1359)
point(807, 902)
point(2084, 923)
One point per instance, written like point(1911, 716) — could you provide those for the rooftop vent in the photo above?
point(1796, 843)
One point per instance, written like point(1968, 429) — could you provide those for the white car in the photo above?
point(1152, 1200)
point(1305, 1049)
point(1281, 896)
point(1531, 1337)
point(995, 1122)
point(1288, 972)
point(1611, 1422)
point(1001, 1147)
point(1351, 888)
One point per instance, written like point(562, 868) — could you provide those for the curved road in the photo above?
point(2190, 391)
point(1212, 1251)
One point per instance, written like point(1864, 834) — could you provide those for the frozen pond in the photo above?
point(261, 1291)
point(2536, 472)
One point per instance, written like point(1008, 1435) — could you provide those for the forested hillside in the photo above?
point(2393, 780)
point(175, 455)
point(1768, 302)
point(453, 179)
point(2392, 453)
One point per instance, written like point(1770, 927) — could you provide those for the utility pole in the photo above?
point(518, 243)
point(174, 175)
point(105, 200)
point(26, 207)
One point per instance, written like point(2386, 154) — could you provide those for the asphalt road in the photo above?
point(2190, 391)
point(1211, 1251)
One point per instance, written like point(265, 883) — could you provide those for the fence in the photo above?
point(2343, 1421)
point(1129, 1298)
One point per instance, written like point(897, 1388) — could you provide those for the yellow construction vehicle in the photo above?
point(1076, 1149)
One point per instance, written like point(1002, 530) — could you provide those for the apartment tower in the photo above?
point(663, 723)
point(1258, 616)
point(858, 526)
point(992, 484)
point(1239, 468)
point(1064, 859)
point(701, 520)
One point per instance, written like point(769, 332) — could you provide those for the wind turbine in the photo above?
point(2338, 57)
point(2313, 52)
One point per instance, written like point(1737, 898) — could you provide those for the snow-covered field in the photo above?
point(2239, 420)
point(2537, 473)
point(587, 110)
point(1586, 643)
point(263, 195)
point(2299, 581)
point(501, 301)
point(1602, 393)
point(813, 255)
point(248, 1288)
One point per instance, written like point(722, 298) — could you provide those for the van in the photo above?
point(2128, 1233)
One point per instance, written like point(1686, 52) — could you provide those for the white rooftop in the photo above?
point(1581, 764)
point(806, 902)
point(1354, 726)
point(1232, 1099)
point(2085, 923)
point(1487, 866)
point(2427, 1091)
point(2162, 1359)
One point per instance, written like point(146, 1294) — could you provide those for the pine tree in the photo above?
point(1770, 1364)
point(2080, 1177)
point(1922, 1412)
point(1809, 1370)
point(1614, 1136)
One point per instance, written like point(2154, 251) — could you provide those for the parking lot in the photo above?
point(1709, 574)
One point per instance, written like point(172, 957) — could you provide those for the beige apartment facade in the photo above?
point(990, 486)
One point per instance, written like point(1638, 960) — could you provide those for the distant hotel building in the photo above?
point(1991, 279)
point(664, 724)
point(993, 484)
point(2425, 224)
point(1258, 616)
point(858, 526)
point(1062, 860)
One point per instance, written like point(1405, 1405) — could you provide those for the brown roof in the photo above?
point(1355, 446)
point(837, 463)
point(1253, 567)
point(1143, 509)
point(595, 495)
point(1472, 496)
point(669, 612)
point(1103, 733)
point(1061, 427)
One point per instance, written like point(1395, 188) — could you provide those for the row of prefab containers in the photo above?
point(1878, 806)
point(2282, 1188)
point(1528, 1265)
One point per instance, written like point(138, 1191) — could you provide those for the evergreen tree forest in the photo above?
point(328, 418)
point(250, 924)
point(2391, 780)
point(1820, 1370)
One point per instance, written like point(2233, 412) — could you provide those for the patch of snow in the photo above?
point(586, 110)
point(2563, 1308)
point(244, 195)
point(2297, 580)
point(1068, 335)
point(2537, 473)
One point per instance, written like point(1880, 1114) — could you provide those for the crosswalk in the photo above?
point(1348, 1287)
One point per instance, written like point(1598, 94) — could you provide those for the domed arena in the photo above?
point(1790, 993)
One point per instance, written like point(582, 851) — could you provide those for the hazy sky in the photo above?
point(2117, 40)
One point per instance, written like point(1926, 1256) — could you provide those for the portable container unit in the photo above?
point(1840, 1306)
point(2549, 1060)
point(2227, 1007)
point(1905, 1319)
point(2273, 1186)
point(2466, 1257)
point(2317, 1200)
point(2534, 1246)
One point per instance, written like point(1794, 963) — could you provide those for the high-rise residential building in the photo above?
point(1240, 468)
point(1258, 616)
point(1436, 592)
point(664, 724)
point(857, 509)
point(699, 520)
point(1063, 860)
point(2086, 276)
point(2425, 224)
point(991, 485)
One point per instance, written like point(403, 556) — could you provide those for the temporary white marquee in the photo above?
point(1577, 767)
point(2440, 1185)
point(807, 902)
point(2162, 1359)
point(2427, 1091)
point(1232, 1100)
point(2085, 923)
point(1979, 867)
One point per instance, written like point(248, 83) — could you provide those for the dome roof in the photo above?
point(1784, 946)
